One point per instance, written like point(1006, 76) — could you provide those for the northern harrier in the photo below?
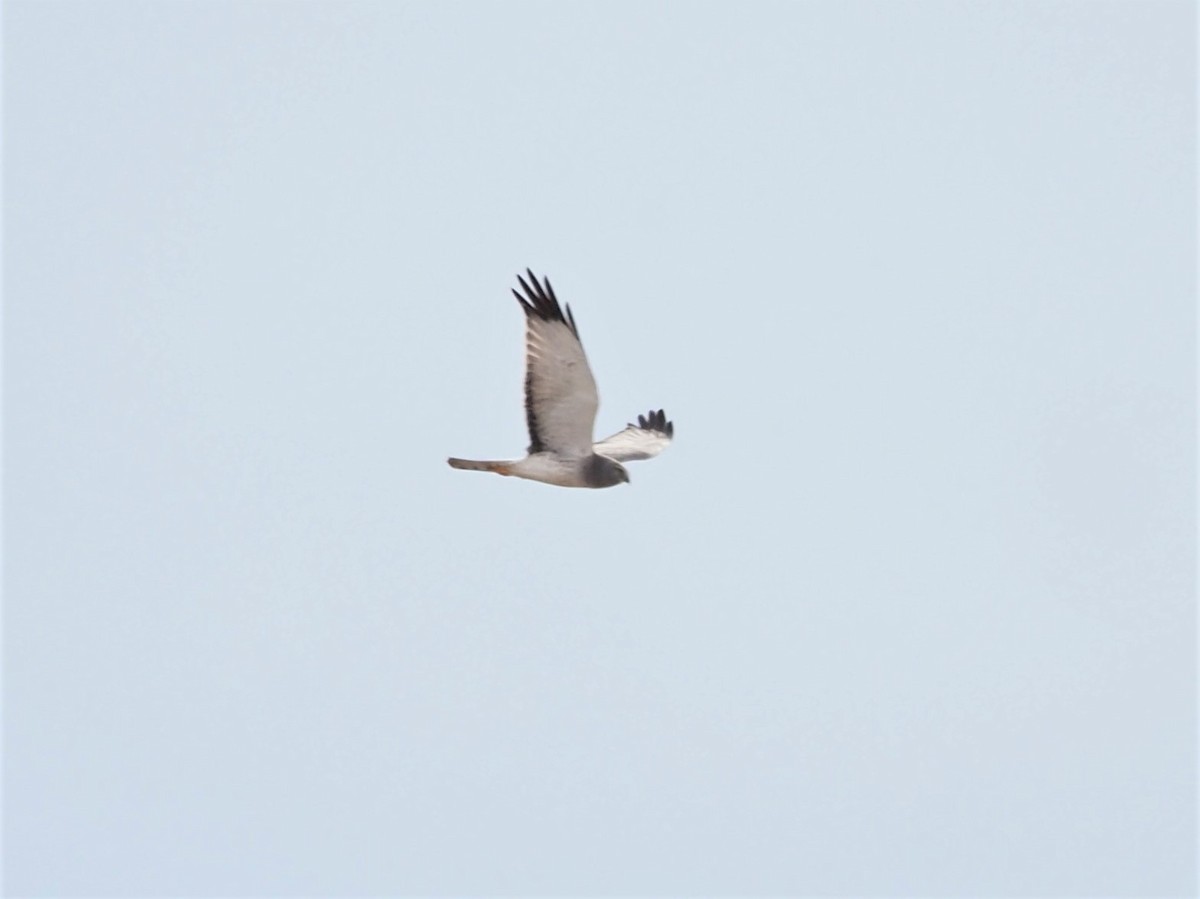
point(560, 407)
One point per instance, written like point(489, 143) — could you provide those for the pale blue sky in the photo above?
point(907, 609)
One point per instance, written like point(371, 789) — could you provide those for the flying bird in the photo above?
point(561, 403)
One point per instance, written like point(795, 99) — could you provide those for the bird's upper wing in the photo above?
point(644, 440)
point(560, 393)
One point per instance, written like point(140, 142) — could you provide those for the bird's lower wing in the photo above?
point(644, 440)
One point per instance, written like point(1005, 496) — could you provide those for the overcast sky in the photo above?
point(907, 609)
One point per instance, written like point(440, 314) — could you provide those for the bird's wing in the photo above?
point(644, 440)
point(560, 393)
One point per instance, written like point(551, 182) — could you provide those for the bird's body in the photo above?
point(592, 471)
point(560, 407)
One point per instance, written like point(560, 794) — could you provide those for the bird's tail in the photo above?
point(503, 468)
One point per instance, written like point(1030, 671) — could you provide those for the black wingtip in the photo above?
point(540, 301)
point(656, 420)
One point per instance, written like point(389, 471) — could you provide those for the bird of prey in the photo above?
point(560, 406)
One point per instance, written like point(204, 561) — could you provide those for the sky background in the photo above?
point(907, 609)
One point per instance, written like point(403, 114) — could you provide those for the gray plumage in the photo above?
point(560, 406)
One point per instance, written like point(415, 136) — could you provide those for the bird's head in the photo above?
point(602, 471)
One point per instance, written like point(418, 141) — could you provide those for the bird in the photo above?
point(561, 403)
